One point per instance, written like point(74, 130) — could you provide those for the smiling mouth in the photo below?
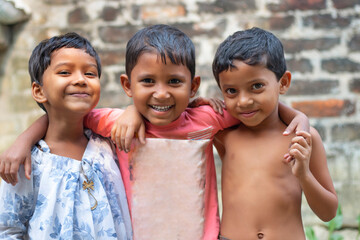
point(161, 108)
point(79, 94)
point(249, 113)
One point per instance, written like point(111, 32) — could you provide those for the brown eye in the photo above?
point(230, 91)
point(257, 86)
point(174, 81)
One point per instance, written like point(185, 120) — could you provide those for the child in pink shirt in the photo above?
point(160, 77)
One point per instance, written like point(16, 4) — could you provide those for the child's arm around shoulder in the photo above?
point(121, 125)
point(20, 151)
point(309, 165)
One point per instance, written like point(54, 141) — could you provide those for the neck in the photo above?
point(69, 129)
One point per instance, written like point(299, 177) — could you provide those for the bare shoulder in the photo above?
point(318, 153)
point(316, 138)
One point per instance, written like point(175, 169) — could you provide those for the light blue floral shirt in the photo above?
point(56, 203)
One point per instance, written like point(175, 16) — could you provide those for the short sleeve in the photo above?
point(101, 120)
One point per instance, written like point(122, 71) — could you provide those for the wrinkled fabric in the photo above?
point(54, 204)
point(168, 186)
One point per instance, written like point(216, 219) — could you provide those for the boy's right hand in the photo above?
point(10, 161)
point(129, 125)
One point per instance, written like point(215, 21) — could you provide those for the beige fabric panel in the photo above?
point(168, 189)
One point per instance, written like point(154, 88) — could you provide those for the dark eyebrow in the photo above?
point(71, 64)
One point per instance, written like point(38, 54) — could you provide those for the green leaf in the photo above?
point(336, 222)
point(336, 236)
point(310, 233)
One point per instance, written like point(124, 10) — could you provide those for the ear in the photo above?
point(285, 81)
point(38, 93)
point(126, 84)
point(195, 84)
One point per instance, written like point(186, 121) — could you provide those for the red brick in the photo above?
point(286, 5)
point(313, 87)
point(354, 43)
point(109, 13)
point(327, 21)
point(167, 11)
point(279, 22)
point(113, 57)
point(340, 65)
point(345, 3)
point(79, 15)
point(325, 108)
point(355, 85)
point(223, 6)
point(115, 34)
point(299, 65)
point(346, 132)
point(298, 45)
point(192, 29)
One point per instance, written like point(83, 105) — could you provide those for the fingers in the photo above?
point(116, 137)
point(306, 136)
point(14, 174)
point(217, 104)
point(301, 146)
point(290, 128)
point(127, 137)
point(8, 176)
point(27, 166)
point(2, 171)
point(113, 135)
point(288, 158)
point(141, 133)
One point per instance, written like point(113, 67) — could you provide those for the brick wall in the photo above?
point(321, 40)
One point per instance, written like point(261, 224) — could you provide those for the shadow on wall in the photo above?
point(13, 13)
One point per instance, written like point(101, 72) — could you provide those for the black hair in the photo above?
point(253, 46)
point(40, 58)
point(165, 40)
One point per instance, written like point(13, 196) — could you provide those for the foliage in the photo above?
point(335, 224)
point(310, 233)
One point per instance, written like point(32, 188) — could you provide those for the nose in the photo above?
point(244, 100)
point(161, 92)
point(79, 79)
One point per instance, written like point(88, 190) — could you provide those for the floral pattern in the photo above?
point(54, 205)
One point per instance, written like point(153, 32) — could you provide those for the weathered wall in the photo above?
point(321, 40)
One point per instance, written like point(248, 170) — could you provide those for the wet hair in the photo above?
point(40, 58)
point(166, 41)
point(254, 46)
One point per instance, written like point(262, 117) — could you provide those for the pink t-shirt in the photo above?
point(194, 123)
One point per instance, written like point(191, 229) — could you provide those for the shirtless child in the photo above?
point(261, 192)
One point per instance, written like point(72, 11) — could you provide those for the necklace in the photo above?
point(89, 185)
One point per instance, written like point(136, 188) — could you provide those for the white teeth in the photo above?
point(160, 108)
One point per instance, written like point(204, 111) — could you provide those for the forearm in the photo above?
point(323, 202)
point(296, 120)
point(102, 120)
point(35, 132)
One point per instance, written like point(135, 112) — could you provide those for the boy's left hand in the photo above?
point(215, 103)
point(299, 123)
point(300, 153)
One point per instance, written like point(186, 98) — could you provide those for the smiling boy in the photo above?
point(261, 192)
